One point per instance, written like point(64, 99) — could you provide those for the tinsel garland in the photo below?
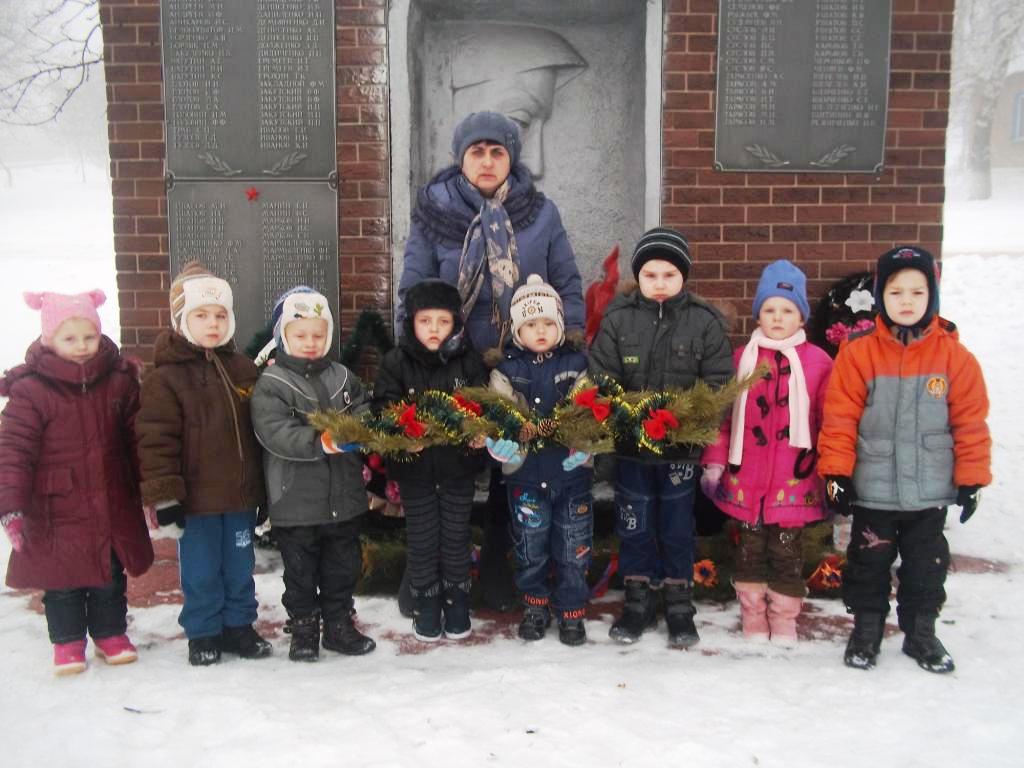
point(582, 419)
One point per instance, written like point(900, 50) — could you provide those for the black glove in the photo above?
point(839, 494)
point(173, 515)
point(967, 497)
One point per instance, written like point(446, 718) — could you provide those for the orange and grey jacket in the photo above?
point(907, 423)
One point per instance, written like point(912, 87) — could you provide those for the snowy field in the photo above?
point(500, 701)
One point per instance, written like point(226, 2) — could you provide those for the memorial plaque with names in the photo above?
point(263, 239)
point(802, 85)
point(249, 88)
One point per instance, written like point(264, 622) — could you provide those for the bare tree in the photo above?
point(46, 55)
point(986, 34)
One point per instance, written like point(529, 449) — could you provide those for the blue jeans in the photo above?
point(553, 524)
point(654, 519)
point(216, 559)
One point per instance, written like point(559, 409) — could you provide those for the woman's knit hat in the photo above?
point(908, 257)
point(662, 243)
point(532, 301)
point(486, 126)
point(55, 308)
point(195, 286)
point(784, 279)
point(300, 303)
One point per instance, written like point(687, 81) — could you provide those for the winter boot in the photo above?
point(457, 625)
point(204, 651)
point(69, 658)
point(536, 620)
point(571, 629)
point(426, 621)
point(921, 644)
point(115, 650)
point(406, 601)
point(679, 613)
point(865, 640)
point(341, 636)
point(782, 613)
point(245, 642)
point(638, 613)
point(753, 610)
point(305, 632)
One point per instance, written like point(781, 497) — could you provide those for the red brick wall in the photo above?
point(830, 224)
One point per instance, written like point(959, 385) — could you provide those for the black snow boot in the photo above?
point(921, 644)
point(865, 640)
point(405, 598)
point(204, 651)
point(305, 632)
point(536, 620)
point(572, 631)
point(638, 613)
point(679, 613)
point(245, 642)
point(457, 625)
point(426, 621)
point(341, 636)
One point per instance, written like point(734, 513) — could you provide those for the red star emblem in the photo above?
point(252, 194)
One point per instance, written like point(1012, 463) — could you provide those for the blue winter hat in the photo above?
point(300, 303)
point(908, 257)
point(486, 126)
point(784, 279)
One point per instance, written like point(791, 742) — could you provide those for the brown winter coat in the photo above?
point(196, 443)
point(67, 462)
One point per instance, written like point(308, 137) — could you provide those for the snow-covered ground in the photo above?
point(501, 701)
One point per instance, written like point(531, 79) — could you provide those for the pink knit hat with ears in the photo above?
point(58, 307)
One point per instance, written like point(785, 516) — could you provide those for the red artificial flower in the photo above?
point(252, 194)
point(599, 407)
point(407, 419)
point(660, 422)
point(828, 575)
point(705, 573)
point(468, 405)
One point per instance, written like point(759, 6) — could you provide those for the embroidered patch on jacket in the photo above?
point(631, 360)
point(937, 387)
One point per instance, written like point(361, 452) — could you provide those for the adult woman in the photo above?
point(482, 226)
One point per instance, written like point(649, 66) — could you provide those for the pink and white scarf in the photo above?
point(799, 400)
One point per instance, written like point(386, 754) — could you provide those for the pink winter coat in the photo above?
point(67, 461)
point(773, 472)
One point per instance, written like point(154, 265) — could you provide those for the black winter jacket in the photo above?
point(409, 369)
point(305, 486)
point(645, 345)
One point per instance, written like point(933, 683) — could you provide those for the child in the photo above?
point(314, 487)
point(657, 338)
point(549, 493)
point(437, 484)
point(904, 436)
point(69, 500)
point(768, 443)
point(201, 465)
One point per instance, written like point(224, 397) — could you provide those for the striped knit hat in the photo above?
point(665, 244)
point(195, 286)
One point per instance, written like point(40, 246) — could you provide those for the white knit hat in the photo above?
point(196, 287)
point(534, 300)
point(301, 303)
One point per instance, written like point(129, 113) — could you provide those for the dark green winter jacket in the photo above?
point(645, 345)
point(305, 486)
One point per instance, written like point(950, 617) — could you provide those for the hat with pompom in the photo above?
point(195, 286)
point(55, 308)
point(532, 301)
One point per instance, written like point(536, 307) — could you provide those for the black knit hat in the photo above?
point(908, 257)
point(662, 243)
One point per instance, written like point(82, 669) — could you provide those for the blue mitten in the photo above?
point(574, 459)
point(504, 451)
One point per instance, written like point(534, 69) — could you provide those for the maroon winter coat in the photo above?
point(68, 462)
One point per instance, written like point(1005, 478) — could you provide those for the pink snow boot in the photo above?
point(115, 650)
point(782, 613)
point(69, 658)
point(753, 610)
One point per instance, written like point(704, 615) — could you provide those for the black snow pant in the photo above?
point(877, 536)
point(322, 564)
point(437, 531)
point(101, 610)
